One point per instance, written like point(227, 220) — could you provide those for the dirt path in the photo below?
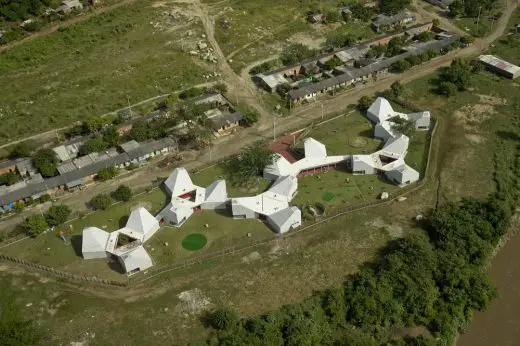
point(75, 20)
point(429, 16)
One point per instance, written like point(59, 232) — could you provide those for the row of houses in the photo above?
point(82, 170)
point(345, 76)
point(347, 55)
point(222, 122)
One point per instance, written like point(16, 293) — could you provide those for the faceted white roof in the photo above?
point(216, 192)
point(313, 148)
point(137, 258)
point(141, 221)
point(179, 182)
point(94, 240)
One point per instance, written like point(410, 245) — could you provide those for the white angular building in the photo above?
point(125, 244)
point(187, 197)
point(390, 159)
point(94, 243)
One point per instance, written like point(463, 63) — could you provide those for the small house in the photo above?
point(224, 123)
point(68, 6)
point(383, 22)
point(316, 18)
point(26, 168)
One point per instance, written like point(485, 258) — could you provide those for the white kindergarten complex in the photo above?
point(271, 205)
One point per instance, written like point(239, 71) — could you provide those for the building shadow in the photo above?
point(77, 241)
point(123, 220)
point(116, 266)
point(367, 134)
point(507, 135)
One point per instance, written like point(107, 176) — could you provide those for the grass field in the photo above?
point(125, 55)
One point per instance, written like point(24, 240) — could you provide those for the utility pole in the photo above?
point(210, 153)
point(478, 18)
point(129, 107)
point(274, 129)
point(322, 111)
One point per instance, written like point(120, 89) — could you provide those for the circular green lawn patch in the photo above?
point(328, 196)
point(194, 241)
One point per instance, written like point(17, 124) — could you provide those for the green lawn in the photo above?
point(125, 55)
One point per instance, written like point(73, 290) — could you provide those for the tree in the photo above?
point(220, 88)
point(9, 178)
point(95, 124)
point(45, 161)
point(414, 60)
point(111, 137)
point(101, 202)
point(107, 173)
point(406, 127)
point(361, 12)
point(447, 89)
point(436, 22)
point(223, 319)
point(284, 88)
point(456, 8)
point(400, 66)
point(249, 164)
point(397, 88)
point(94, 145)
point(123, 193)
point(364, 103)
point(263, 67)
point(395, 45)
point(22, 149)
point(425, 36)
point(393, 6)
point(295, 52)
point(35, 225)
point(339, 39)
point(332, 16)
point(251, 116)
point(459, 73)
point(57, 214)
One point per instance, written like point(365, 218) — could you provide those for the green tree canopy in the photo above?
point(296, 52)
point(107, 173)
point(364, 103)
point(22, 149)
point(34, 225)
point(57, 214)
point(223, 319)
point(101, 202)
point(249, 164)
point(123, 193)
point(45, 161)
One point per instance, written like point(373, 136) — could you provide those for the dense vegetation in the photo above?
point(471, 8)
point(432, 280)
point(39, 223)
point(249, 165)
point(15, 10)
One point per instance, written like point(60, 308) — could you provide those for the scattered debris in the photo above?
point(384, 195)
point(253, 256)
point(401, 199)
point(192, 302)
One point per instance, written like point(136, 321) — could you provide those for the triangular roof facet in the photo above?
point(141, 221)
point(179, 182)
point(216, 192)
point(94, 240)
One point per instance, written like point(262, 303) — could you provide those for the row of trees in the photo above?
point(471, 8)
point(433, 278)
point(16, 10)
point(103, 201)
point(37, 224)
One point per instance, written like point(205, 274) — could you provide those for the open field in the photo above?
point(123, 56)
